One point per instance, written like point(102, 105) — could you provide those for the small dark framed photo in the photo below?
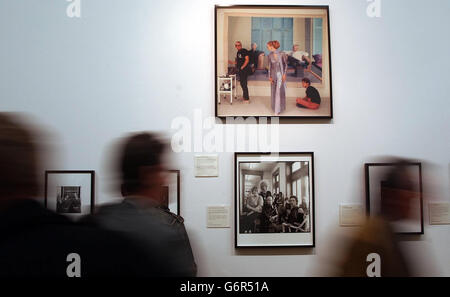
point(273, 61)
point(395, 190)
point(70, 192)
point(171, 191)
point(274, 200)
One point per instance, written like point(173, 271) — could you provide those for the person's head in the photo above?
point(293, 201)
point(397, 192)
point(306, 82)
point(238, 45)
point(273, 45)
point(254, 46)
point(19, 159)
point(295, 47)
point(269, 200)
point(263, 186)
point(254, 190)
point(141, 166)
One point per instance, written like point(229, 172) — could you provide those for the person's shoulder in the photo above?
point(170, 217)
point(113, 212)
point(115, 208)
point(31, 211)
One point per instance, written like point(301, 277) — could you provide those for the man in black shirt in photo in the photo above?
point(312, 99)
point(243, 66)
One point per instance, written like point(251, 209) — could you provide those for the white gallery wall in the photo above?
point(137, 65)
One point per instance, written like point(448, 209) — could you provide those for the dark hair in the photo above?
point(306, 80)
point(138, 151)
point(393, 204)
point(19, 156)
point(296, 199)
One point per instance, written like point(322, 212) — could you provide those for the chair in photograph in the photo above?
point(226, 85)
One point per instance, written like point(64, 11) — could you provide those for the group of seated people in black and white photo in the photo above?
point(265, 212)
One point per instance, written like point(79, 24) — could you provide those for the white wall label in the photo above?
point(351, 215)
point(218, 217)
point(206, 166)
point(439, 213)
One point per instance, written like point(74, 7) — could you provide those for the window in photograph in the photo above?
point(267, 29)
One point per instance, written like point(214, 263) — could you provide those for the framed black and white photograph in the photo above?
point(273, 61)
point(171, 191)
point(274, 200)
point(396, 188)
point(70, 192)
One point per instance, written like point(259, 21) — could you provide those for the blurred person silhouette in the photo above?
point(34, 241)
point(377, 235)
point(142, 215)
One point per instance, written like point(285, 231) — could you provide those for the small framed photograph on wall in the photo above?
point(273, 61)
point(171, 191)
point(395, 190)
point(70, 192)
point(274, 200)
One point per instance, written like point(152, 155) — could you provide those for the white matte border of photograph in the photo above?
point(70, 192)
point(274, 200)
point(171, 191)
point(273, 61)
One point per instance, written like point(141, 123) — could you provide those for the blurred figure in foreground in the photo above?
point(142, 215)
point(377, 235)
point(36, 242)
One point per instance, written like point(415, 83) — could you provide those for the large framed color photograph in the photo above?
point(272, 61)
point(70, 192)
point(274, 200)
point(406, 200)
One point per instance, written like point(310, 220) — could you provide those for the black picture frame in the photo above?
point(327, 38)
point(274, 236)
point(370, 179)
point(89, 177)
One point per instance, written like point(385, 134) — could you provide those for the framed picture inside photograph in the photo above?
point(70, 192)
point(171, 191)
point(274, 200)
point(273, 61)
point(396, 185)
